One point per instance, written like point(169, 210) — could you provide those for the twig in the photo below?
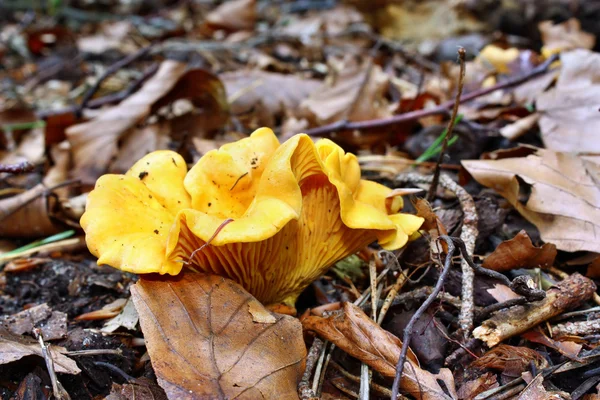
point(567, 294)
point(122, 63)
point(94, 352)
point(406, 338)
point(365, 374)
point(105, 100)
point(468, 235)
point(57, 389)
point(461, 81)
point(440, 109)
point(19, 168)
point(381, 389)
point(391, 295)
point(304, 389)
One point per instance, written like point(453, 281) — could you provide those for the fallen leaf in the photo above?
point(27, 215)
point(13, 348)
point(502, 293)
point(108, 311)
point(593, 269)
point(128, 318)
point(357, 93)
point(535, 391)
point(520, 127)
point(519, 252)
point(568, 349)
point(423, 20)
point(570, 120)
point(142, 389)
point(235, 15)
point(276, 92)
point(503, 356)
point(360, 337)
point(564, 36)
point(203, 342)
point(332, 22)
point(558, 192)
point(95, 142)
point(481, 383)
point(53, 324)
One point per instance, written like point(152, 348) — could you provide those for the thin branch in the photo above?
point(440, 109)
point(304, 389)
point(105, 100)
point(122, 63)
point(19, 168)
point(461, 82)
point(409, 328)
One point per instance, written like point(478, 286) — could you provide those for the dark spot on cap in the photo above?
point(143, 174)
point(174, 162)
point(209, 204)
point(156, 231)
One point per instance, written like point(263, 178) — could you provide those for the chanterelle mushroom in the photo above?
point(296, 209)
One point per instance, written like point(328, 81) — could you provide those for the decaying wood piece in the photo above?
point(577, 328)
point(569, 293)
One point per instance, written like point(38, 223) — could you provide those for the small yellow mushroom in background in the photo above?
point(276, 216)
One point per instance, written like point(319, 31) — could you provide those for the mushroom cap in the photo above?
point(296, 209)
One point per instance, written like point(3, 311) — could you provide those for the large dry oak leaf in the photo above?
point(204, 341)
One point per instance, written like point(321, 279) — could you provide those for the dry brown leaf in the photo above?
point(13, 348)
point(503, 356)
point(564, 36)
point(570, 120)
point(356, 334)
point(357, 93)
point(519, 252)
point(235, 15)
point(27, 215)
point(567, 348)
point(276, 92)
point(108, 311)
point(564, 197)
point(203, 342)
point(480, 384)
point(535, 391)
point(520, 127)
point(95, 142)
point(142, 389)
point(331, 22)
point(53, 324)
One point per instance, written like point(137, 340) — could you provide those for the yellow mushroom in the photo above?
point(276, 216)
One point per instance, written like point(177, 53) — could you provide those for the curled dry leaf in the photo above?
point(570, 120)
point(27, 215)
point(204, 343)
point(95, 142)
point(13, 348)
point(275, 92)
point(564, 36)
point(235, 15)
point(356, 92)
point(535, 391)
point(356, 334)
point(519, 252)
point(516, 358)
point(557, 192)
point(108, 311)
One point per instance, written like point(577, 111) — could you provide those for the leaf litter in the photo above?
point(85, 93)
